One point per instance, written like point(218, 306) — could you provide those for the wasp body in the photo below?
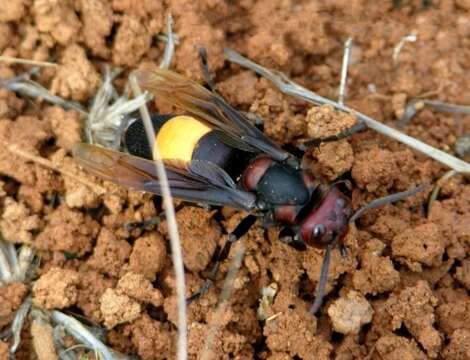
point(214, 155)
point(281, 193)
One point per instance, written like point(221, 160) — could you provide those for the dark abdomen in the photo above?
point(209, 147)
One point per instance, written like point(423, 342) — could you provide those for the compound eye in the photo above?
point(319, 230)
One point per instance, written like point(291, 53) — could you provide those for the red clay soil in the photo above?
point(402, 291)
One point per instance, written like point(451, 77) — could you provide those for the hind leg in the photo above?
point(241, 229)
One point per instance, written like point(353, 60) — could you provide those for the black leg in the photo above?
point(205, 68)
point(360, 126)
point(323, 279)
point(241, 229)
point(157, 219)
point(297, 151)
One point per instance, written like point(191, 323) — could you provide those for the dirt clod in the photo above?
point(393, 347)
point(109, 254)
point(332, 159)
point(109, 248)
point(350, 312)
point(118, 308)
point(56, 289)
point(148, 255)
point(76, 77)
point(454, 315)
point(377, 273)
point(91, 288)
point(414, 308)
point(152, 339)
point(422, 245)
point(459, 347)
point(97, 18)
point(132, 41)
point(139, 288)
point(323, 121)
point(199, 235)
point(4, 350)
point(282, 336)
point(17, 223)
point(67, 230)
point(11, 297)
point(57, 18)
point(66, 126)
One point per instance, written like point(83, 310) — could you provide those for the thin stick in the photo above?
point(415, 105)
point(344, 71)
point(170, 45)
point(25, 260)
point(288, 87)
point(6, 271)
point(172, 225)
point(226, 293)
point(16, 60)
point(437, 187)
point(81, 334)
point(398, 48)
point(17, 324)
point(14, 149)
point(26, 87)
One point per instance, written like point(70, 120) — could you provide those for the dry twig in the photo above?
point(14, 149)
point(222, 306)
point(15, 60)
point(172, 226)
point(288, 87)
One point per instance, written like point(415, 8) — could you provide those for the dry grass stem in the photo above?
point(14, 149)
point(288, 87)
point(26, 87)
point(175, 243)
point(344, 71)
point(437, 188)
point(80, 333)
point(399, 47)
point(416, 105)
point(222, 306)
point(16, 60)
point(170, 45)
point(17, 324)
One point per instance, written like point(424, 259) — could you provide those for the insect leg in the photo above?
point(154, 220)
point(241, 229)
point(205, 68)
point(323, 279)
point(360, 126)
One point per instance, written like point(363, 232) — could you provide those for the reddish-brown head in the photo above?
point(328, 220)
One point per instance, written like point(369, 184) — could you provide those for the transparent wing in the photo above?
point(206, 185)
point(235, 129)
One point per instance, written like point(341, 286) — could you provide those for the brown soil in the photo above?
point(402, 290)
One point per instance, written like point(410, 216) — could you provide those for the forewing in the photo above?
point(209, 106)
point(140, 174)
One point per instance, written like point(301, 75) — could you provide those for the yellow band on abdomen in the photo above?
point(179, 136)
